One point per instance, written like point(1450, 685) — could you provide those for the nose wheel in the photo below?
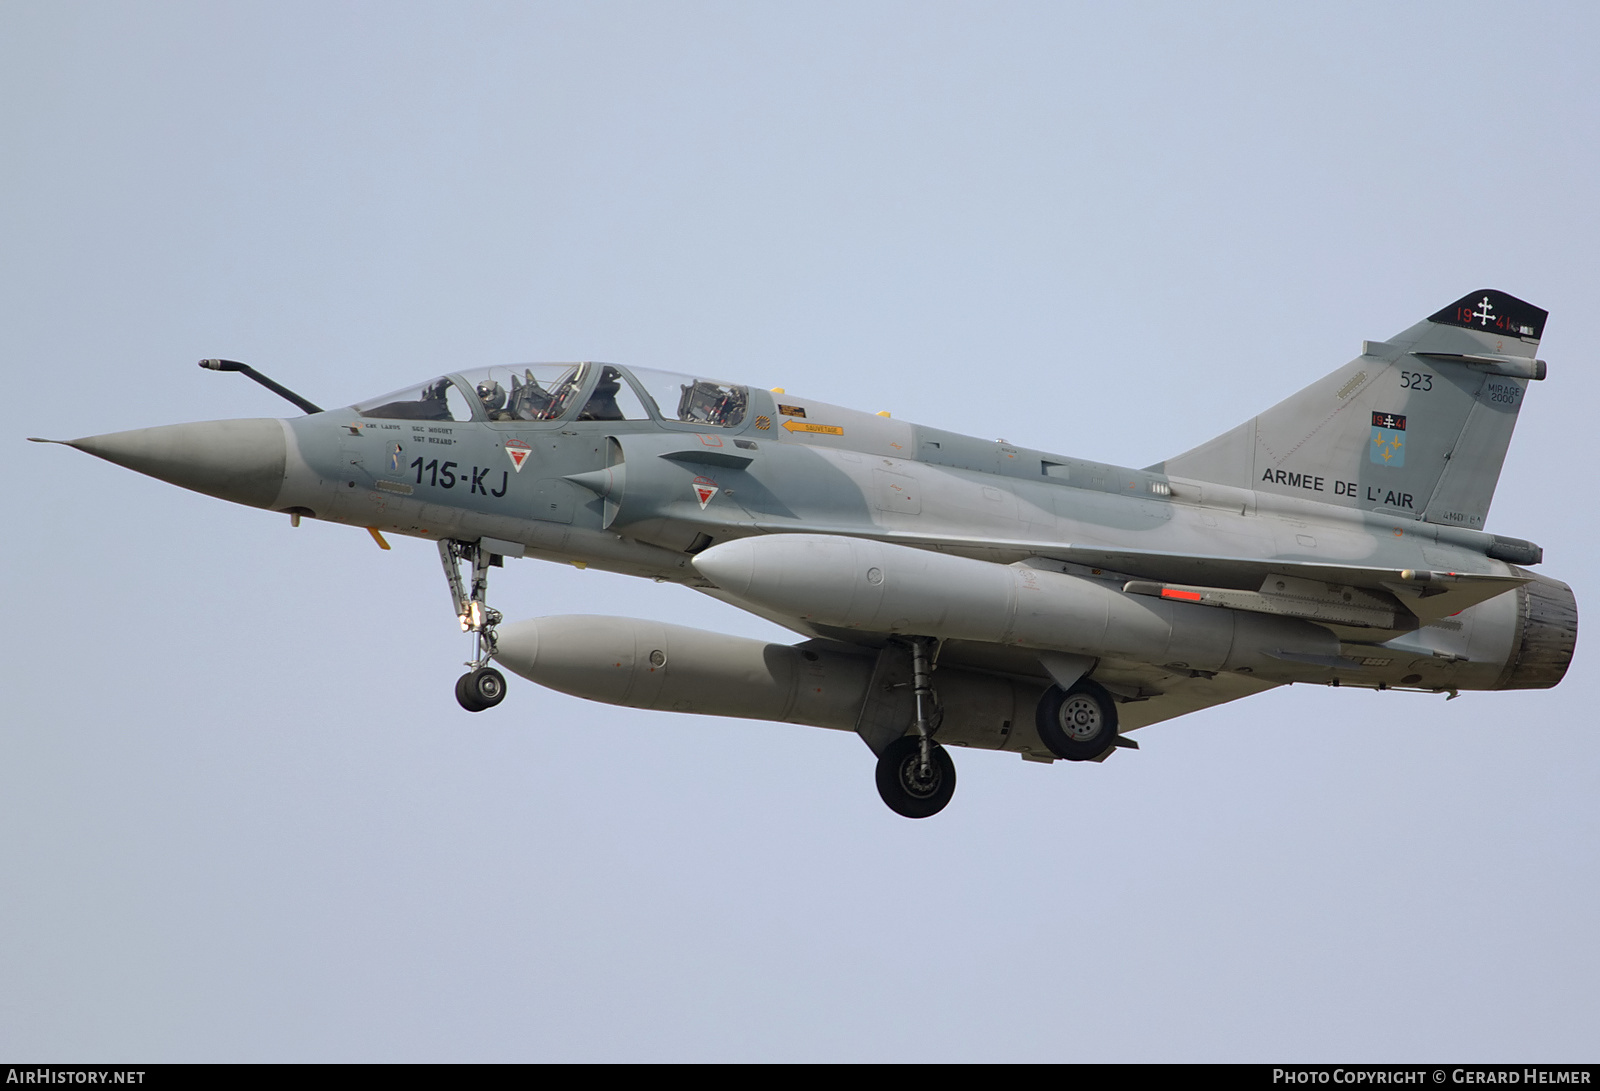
point(482, 686)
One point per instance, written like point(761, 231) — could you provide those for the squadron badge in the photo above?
point(1388, 439)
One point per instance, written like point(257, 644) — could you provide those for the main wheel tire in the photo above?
point(1079, 724)
point(487, 686)
point(902, 786)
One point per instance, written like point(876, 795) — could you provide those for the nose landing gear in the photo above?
point(482, 686)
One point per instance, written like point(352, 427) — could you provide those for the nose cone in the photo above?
point(238, 460)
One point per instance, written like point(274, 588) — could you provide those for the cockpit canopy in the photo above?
point(550, 392)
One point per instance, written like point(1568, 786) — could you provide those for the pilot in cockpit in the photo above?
point(493, 397)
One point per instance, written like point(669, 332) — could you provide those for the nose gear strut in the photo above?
point(482, 686)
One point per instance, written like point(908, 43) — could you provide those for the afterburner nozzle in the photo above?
point(238, 460)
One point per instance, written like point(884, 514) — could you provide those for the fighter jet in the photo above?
point(949, 591)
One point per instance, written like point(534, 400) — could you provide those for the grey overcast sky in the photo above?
point(241, 816)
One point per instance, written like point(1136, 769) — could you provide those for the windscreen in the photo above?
point(435, 400)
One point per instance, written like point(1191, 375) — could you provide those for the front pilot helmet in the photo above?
point(492, 394)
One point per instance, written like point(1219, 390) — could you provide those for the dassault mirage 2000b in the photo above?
point(952, 591)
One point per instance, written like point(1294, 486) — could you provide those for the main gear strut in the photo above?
point(915, 774)
point(482, 686)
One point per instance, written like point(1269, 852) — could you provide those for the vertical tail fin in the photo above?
point(1417, 425)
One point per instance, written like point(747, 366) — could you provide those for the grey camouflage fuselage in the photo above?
point(1336, 538)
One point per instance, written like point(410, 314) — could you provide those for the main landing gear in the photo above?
point(911, 784)
point(1079, 724)
point(481, 687)
point(916, 777)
